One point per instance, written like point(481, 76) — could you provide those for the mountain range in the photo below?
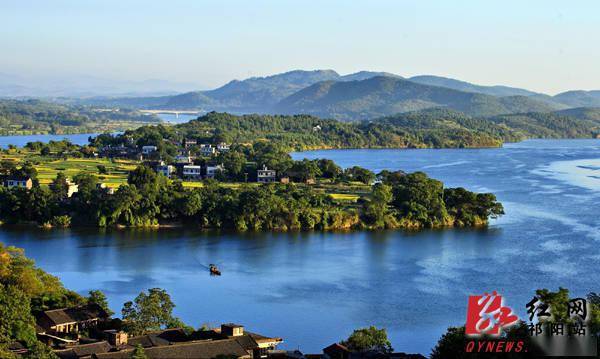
point(359, 96)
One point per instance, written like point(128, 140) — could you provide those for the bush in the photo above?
point(61, 221)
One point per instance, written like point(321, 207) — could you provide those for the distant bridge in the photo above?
point(174, 112)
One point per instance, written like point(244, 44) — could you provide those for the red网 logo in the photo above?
point(486, 314)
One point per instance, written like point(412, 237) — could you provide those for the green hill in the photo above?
point(382, 96)
point(499, 91)
point(548, 125)
point(580, 98)
point(582, 113)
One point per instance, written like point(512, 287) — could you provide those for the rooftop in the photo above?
point(75, 314)
point(199, 350)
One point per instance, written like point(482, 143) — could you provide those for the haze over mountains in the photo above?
point(359, 96)
point(14, 86)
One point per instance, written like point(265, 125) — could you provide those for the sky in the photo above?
point(547, 46)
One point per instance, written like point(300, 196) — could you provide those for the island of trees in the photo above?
point(304, 202)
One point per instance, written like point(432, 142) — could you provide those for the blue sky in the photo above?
point(548, 46)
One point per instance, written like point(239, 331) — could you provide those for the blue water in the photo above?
point(181, 118)
point(80, 138)
point(20, 141)
point(312, 289)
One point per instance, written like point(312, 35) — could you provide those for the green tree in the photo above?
point(60, 186)
point(376, 210)
point(142, 177)
point(234, 163)
point(98, 297)
point(149, 311)
point(329, 169)
point(420, 200)
point(360, 174)
point(370, 338)
point(304, 170)
point(16, 321)
point(138, 352)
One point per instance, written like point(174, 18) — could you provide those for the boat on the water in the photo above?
point(214, 270)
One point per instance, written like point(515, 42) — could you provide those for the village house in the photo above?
point(207, 150)
point(211, 171)
point(103, 186)
point(230, 340)
point(183, 159)
point(192, 172)
point(222, 147)
point(71, 320)
point(189, 142)
point(83, 351)
point(165, 170)
point(71, 188)
point(266, 175)
point(25, 182)
point(146, 150)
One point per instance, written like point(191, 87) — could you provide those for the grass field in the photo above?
point(118, 170)
point(48, 167)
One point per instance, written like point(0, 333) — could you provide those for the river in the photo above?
point(312, 289)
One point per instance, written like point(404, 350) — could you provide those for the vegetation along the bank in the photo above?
point(320, 195)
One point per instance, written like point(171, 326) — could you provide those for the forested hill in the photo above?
point(301, 132)
point(382, 95)
point(433, 128)
point(364, 95)
point(40, 117)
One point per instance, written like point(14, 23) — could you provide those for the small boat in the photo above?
point(214, 270)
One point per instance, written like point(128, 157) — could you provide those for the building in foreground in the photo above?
point(70, 321)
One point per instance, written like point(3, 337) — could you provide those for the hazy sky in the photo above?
point(548, 46)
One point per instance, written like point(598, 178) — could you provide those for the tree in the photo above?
point(329, 169)
point(16, 323)
point(138, 353)
point(102, 169)
point(304, 170)
point(27, 170)
point(234, 163)
point(360, 174)
point(149, 311)
point(97, 297)
point(45, 151)
point(60, 186)
point(370, 338)
point(142, 177)
point(420, 200)
point(7, 167)
point(192, 203)
point(375, 210)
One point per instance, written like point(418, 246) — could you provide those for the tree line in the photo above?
point(149, 199)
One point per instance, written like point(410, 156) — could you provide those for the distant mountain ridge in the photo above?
point(498, 90)
point(380, 96)
point(356, 96)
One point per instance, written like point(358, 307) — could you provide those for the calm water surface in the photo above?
point(314, 288)
point(20, 141)
point(80, 138)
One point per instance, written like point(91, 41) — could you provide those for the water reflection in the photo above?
point(314, 288)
